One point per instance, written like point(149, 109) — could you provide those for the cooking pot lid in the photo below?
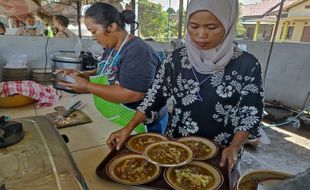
point(66, 57)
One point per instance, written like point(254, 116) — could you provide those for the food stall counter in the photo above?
point(86, 142)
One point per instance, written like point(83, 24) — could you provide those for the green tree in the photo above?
point(170, 10)
point(240, 28)
point(152, 19)
point(171, 25)
point(174, 23)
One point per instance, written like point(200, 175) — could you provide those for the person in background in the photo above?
point(54, 29)
point(126, 71)
point(2, 29)
point(217, 87)
point(61, 24)
point(48, 31)
point(31, 28)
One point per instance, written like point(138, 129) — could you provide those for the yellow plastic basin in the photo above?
point(15, 101)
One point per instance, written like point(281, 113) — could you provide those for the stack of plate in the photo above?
point(16, 73)
point(42, 76)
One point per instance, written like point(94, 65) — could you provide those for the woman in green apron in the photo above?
point(126, 71)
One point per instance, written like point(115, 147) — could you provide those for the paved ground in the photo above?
point(289, 151)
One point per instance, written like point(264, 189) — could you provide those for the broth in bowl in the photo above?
point(132, 169)
point(194, 176)
point(203, 148)
point(168, 153)
point(137, 143)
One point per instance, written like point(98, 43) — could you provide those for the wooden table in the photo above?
point(86, 142)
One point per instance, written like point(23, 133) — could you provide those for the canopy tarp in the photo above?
point(17, 7)
point(63, 7)
point(60, 9)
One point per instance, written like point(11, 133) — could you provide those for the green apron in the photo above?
point(117, 113)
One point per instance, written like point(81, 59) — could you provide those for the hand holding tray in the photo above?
point(160, 183)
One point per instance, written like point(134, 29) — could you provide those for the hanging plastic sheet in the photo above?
point(67, 9)
point(17, 7)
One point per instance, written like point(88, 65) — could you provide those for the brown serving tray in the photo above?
point(160, 183)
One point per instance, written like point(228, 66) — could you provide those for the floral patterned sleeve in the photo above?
point(156, 96)
point(251, 103)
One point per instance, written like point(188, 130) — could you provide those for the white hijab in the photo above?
point(209, 61)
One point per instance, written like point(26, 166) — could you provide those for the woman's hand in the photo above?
point(69, 72)
point(66, 72)
point(118, 138)
point(230, 154)
point(80, 85)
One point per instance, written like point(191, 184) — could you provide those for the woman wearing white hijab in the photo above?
point(216, 87)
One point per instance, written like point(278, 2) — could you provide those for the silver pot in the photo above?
point(64, 60)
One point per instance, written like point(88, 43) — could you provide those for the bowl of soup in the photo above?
point(139, 142)
point(194, 176)
point(251, 180)
point(203, 148)
point(168, 153)
point(132, 169)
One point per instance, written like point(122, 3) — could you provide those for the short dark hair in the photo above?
point(2, 26)
point(105, 14)
point(62, 20)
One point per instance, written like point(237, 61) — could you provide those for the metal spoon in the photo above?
point(268, 184)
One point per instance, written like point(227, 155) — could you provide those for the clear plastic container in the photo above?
point(40, 161)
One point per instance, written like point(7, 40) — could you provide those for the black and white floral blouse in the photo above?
point(214, 106)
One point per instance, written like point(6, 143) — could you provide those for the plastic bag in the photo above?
point(295, 122)
point(264, 139)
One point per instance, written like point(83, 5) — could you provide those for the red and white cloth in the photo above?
point(46, 96)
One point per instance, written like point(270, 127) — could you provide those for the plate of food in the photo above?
point(132, 169)
point(203, 148)
point(168, 153)
point(194, 176)
point(139, 142)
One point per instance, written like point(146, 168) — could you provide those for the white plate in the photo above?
point(114, 163)
point(214, 172)
point(168, 159)
point(145, 139)
point(15, 67)
point(42, 71)
point(214, 149)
